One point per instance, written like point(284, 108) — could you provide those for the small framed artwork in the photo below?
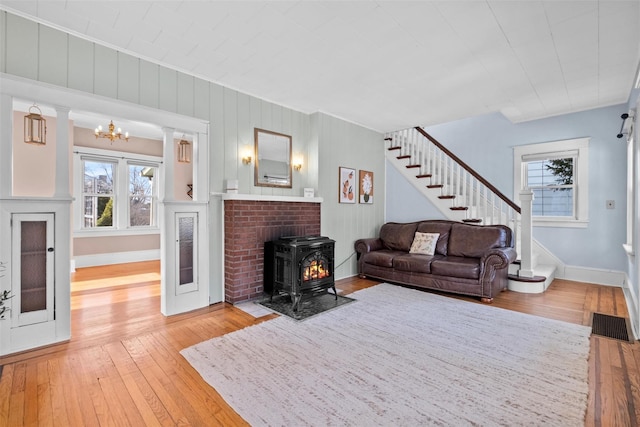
point(365, 184)
point(346, 185)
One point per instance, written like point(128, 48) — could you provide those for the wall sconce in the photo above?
point(35, 127)
point(246, 155)
point(297, 164)
point(184, 152)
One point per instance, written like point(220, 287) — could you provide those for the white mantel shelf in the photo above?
point(267, 198)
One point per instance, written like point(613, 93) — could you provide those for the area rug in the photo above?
point(402, 357)
point(309, 306)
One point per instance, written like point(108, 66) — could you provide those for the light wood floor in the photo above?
point(123, 367)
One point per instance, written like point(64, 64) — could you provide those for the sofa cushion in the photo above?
point(473, 241)
point(424, 243)
point(416, 263)
point(463, 267)
point(442, 228)
point(381, 258)
point(398, 237)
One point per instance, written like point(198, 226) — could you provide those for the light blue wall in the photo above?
point(406, 203)
point(486, 144)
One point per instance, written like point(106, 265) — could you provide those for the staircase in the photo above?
point(461, 194)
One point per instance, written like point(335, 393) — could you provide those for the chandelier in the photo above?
point(111, 134)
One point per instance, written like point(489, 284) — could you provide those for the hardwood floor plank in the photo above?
point(58, 406)
point(92, 371)
point(31, 394)
point(6, 383)
point(45, 410)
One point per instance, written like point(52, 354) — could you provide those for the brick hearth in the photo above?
point(247, 225)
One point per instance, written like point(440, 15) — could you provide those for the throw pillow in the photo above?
point(424, 243)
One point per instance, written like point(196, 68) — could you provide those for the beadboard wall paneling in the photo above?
point(3, 42)
point(201, 101)
point(218, 151)
point(81, 64)
point(53, 56)
point(349, 145)
point(168, 90)
point(185, 95)
point(105, 64)
point(128, 78)
point(22, 47)
point(149, 83)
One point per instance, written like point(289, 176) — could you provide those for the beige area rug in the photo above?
point(402, 357)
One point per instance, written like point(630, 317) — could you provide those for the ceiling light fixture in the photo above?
point(111, 134)
point(35, 127)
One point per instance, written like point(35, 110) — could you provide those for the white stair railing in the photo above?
point(483, 202)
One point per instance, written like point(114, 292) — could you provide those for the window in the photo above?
point(116, 193)
point(141, 195)
point(552, 183)
point(557, 173)
point(98, 193)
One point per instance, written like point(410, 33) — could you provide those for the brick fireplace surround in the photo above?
point(250, 223)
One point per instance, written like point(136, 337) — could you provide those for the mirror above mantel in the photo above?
point(272, 159)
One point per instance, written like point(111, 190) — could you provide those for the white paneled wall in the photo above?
point(348, 145)
point(36, 52)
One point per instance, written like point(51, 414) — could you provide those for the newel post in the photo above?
point(526, 234)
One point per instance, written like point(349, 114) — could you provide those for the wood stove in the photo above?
point(299, 265)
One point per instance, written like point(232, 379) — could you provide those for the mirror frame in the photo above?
point(256, 175)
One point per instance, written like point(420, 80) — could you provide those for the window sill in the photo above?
point(563, 223)
point(116, 232)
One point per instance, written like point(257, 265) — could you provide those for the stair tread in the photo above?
point(472, 220)
point(393, 148)
point(447, 196)
point(435, 186)
point(459, 208)
point(424, 175)
point(413, 166)
point(406, 156)
point(534, 279)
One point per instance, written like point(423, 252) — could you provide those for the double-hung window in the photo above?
point(116, 192)
point(98, 192)
point(557, 174)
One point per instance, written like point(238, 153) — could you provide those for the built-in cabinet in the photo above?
point(32, 284)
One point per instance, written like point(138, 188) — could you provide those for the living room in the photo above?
point(40, 55)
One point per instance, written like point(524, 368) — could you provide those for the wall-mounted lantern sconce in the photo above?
point(35, 127)
point(184, 151)
point(246, 160)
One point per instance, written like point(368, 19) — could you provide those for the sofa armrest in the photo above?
point(362, 246)
point(499, 258)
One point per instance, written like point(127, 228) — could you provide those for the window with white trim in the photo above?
point(117, 191)
point(557, 173)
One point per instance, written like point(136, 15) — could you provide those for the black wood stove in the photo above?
point(299, 265)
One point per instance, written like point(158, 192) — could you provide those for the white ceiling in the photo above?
point(386, 65)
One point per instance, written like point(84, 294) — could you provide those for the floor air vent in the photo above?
point(610, 327)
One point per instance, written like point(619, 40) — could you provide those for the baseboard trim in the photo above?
point(591, 275)
point(116, 258)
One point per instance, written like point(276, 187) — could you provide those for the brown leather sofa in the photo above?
point(468, 259)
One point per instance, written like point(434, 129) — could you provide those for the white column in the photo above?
point(6, 146)
point(63, 142)
point(169, 157)
point(526, 234)
point(200, 159)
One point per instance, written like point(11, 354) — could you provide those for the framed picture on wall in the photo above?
point(365, 184)
point(346, 185)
